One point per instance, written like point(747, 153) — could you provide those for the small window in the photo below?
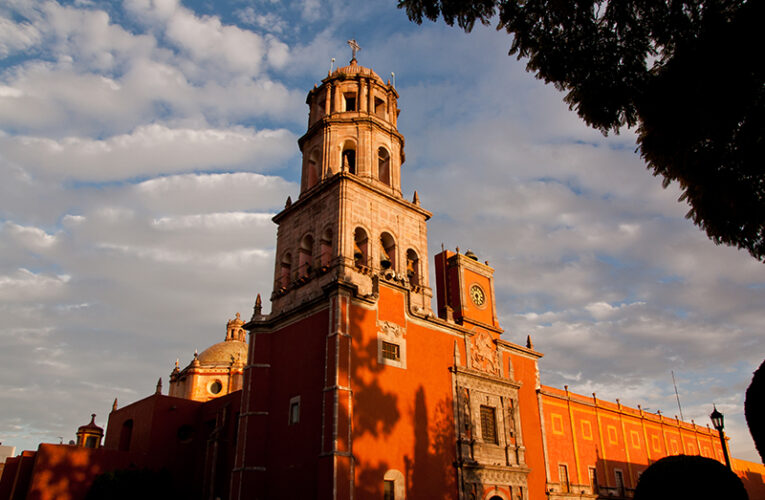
point(216, 387)
point(391, 351)
point(350, 101)
point(563, 478)
point(489, 424)
point(594, 479)
point(294, 413)
point(91, 442)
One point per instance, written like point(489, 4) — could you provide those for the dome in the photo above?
point(223, 353)
point(92, 427)
point(354, 69)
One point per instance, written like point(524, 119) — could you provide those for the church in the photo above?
point(357, 384)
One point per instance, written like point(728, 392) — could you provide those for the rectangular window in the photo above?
point(563, 478)
point(350, 102)
point(489, 424)
point(294, 415)
point(391, 351)
point(388, 490)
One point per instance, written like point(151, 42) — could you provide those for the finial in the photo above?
point(238, 317)
point(92, 418)
point(288, 204)
point(176, 363)
point(354, 48)
point(258, 309)
point(529, 343)
point(196, 353)
point(458, 249)
point(159, 386)
point(416, 198)
point(393, 77)
point(114, 405)
point(331, 66)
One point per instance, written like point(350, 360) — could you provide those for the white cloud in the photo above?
point(16, 36)
point(25, 285)
point(149, 150)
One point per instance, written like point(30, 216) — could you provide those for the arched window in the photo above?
point(387, 251)
point(126, 434)
point(360, 247)
point(412, 267)
point(326, 247)
point(284, 270)
point(306, 256)
point(383, 165)
point(312, 169)
point(348, 159)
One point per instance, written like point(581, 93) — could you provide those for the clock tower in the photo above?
point(466, 290)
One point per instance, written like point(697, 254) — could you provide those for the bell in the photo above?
point(357, 253)
point(385, 262)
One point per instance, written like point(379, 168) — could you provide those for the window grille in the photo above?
point(391, 351)
point(489, 424)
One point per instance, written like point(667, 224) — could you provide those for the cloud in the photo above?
point(149, 150)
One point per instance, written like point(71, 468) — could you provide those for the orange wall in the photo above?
point(584, 432)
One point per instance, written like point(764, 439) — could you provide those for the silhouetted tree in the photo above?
point(754, 409)
point(685, 476)
point(684, 71)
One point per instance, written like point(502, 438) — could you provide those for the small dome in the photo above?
point(223, 352)
point(354, 69)
point(91, 427)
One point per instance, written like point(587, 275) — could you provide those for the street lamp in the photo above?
point(717, 422)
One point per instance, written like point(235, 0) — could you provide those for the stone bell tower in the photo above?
point(350, 222)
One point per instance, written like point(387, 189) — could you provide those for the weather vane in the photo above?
point(354, 47)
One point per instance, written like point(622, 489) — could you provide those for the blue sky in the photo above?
point(145, 145)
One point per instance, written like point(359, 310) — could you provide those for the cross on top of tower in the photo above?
point(355, 47)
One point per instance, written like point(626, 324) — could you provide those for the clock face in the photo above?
point(477, 295)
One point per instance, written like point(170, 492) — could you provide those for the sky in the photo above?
point(146, 144)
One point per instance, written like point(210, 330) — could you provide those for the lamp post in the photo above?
point(717, 422)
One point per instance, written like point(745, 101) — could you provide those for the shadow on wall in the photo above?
point(428, 434)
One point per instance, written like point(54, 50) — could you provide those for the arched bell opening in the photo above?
point(360, 247)
point(312, 169)
point(412, 268)
point(387, 251)
point(348, 158)
point(326, 248)
point(285, 267)
point(383, 166)
point(305, 258)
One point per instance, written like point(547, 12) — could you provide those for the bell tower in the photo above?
point(351, 223)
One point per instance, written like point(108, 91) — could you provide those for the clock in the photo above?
point(477, 295)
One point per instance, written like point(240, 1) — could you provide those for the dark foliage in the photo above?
point(754, 409)
point(686, 72)
point(129, 484)
point(684, 476)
